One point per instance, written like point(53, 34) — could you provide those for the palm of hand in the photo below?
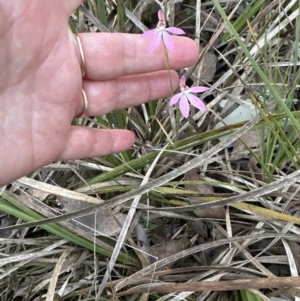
point(40, 84)
point(41, 87)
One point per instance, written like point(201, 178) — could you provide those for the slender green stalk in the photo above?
point(101, 5)
point(121, 15)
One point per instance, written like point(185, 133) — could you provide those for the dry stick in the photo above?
point(216, 285)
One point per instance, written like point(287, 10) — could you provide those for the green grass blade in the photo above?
point(121, 15)
point(102, 12)
point(12, 206)
point(249, 12)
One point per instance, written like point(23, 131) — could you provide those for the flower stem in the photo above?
point(169, 69)
point(175, 127)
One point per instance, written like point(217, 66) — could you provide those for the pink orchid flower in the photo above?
point(186, 98)
point(162, 33)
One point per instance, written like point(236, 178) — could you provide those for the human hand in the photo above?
point(40, 84)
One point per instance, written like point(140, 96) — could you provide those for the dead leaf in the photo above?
point(252, 139)
point(23, 288)
point(219, 213)
point(199, 227)
point(168, 248)
point(5, 221)
point(206, 69)
point(162, 233)
point(102, 221)
point(38, 194)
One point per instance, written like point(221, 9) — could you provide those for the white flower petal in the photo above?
point(196, 102)
point(198, 89)
point(148, 33)
point(175, 99)
point(155, 41)
point(168, 41)
point(184, 106)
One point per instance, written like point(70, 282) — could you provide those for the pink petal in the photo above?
point(196, 102)
point(175, 99)
point(168, 40)
point(175, 30)
point(198, 89)
point(182, 80)
point(155, 41)
point(161, 16)
point(148, 33)
point(184, 106)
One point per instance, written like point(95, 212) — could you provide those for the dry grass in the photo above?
point(182, 215)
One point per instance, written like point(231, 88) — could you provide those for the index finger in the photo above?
point(111, 55)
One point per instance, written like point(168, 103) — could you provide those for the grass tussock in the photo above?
point(204, 208)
